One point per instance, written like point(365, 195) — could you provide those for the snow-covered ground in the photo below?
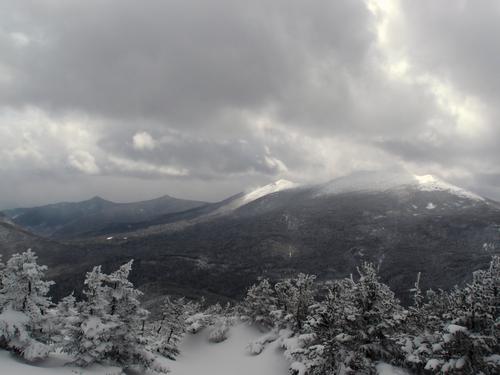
point(198, 356)
point(54, 365)
point(229, 357)
point(385, 369)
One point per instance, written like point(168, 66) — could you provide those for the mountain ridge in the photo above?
point(60, 220)
point(404, 230)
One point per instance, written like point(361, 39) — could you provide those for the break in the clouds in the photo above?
point(199, 99)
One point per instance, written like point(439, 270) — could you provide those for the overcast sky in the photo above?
point(201, 99)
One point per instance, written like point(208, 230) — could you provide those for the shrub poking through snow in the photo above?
point(220, 329)
point(216, 318)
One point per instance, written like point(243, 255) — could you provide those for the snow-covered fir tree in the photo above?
point(24, 318)
point(259, 304)
point(166, 333)
point(355, 327)
point(294, 298)
point(63, 315)
point(110, 324)
point(125, 308)
point(466, 338)
point(128, 337)
point(89, 334)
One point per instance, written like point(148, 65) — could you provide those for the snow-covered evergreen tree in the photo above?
point(110, 324)
point(23, 287)
point(24, 318)
point(64, 314)
point(89, 334)
point(128, 337)
point(166, 333)
point(259, 303)
point(294, 299)
point(467, 326)
point(356, 326)
point(360, 322)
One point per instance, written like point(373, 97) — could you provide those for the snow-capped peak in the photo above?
point(431, 183)
point(388, 180)
point(425, 179)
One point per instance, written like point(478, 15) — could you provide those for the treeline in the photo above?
point(107, 326)
point(345, 326)
point(357, 323)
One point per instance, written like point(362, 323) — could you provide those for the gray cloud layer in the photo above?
point(200, 99)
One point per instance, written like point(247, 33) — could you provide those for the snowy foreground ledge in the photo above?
point(54, 365)
point(198, 356)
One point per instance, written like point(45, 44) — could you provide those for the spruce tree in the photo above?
point(294, 298)
point(24, 321)
point(89, 334)
point(259, 304)
point(129, 342)
point(168, 331)
point(110, 324)
point(356, 327)
point(64, 314)
point(467, 336)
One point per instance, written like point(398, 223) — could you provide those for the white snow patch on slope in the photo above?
point(260, 192)
point(273, 187)
point(229, 357)
point(431, 183)
point(386, 369)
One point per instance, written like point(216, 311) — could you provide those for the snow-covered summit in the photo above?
point(382, 181)
point(431, 183)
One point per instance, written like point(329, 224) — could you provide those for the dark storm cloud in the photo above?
point(226, 93)
point(210, 158)
point(178, 61)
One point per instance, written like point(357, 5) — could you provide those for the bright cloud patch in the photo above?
point(143, 141)
point(84, 162)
